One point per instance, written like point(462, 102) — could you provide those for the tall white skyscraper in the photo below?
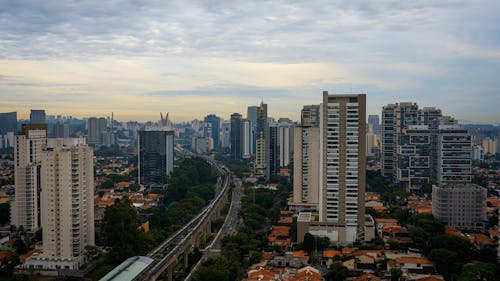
point(285, 143)
point(28, 147)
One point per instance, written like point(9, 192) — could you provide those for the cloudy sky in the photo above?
point(191, 58)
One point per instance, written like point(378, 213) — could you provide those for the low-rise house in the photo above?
point(416, 265)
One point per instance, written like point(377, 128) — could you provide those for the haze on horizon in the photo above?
point(192, 58)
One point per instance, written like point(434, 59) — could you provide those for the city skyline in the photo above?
point(194, 58)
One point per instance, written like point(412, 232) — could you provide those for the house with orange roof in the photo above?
point(482, 241)
point(122, 184)
point(414, 265)
point(431, 278)
point(494, 234)
point(367, 277)
point(395, 231)
point(307, 273)
point(280, 236)
point(450, 230)
point(286, 221)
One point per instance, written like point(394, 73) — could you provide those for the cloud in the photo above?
point(144, 52)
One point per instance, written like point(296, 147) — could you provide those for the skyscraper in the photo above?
point(310, 115)
point(95, 127)
point(67, 201)
point(37, 116)
point(236, 136)
point(8, 122)
point(155, 156)
point(252, 117)
point(28, 148)
point(374, 121)
point(247, 138)
point(226, 134)
point(343, 162)
point(262, 142)
point(214, 121)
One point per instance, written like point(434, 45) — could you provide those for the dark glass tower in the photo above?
point(236, 136)
point(156, 157)
point(215, 124)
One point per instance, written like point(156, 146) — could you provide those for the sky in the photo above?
point(191, 58)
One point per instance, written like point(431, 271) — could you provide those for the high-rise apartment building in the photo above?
point(460, 205)
point(306, 166)
point(489, 146)
point(214, 121)
point(28, 147)
point(441, 155)
point(67, 201)
point(431, 117)
point(285, 145)
point(343, 162)
point(395, 118)
point(262, 142)
point(155, 156)
point(8, 122)
point(236, 136)
point(454, 155)
point(37, 116)
point(95, 127)
point(252, 117)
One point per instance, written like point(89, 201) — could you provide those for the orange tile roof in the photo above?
point(331, 253)
point(306, 274)
point(452, 231)
point(367, 277)
point(377, 253)
point(285, 221)
point(24, 257)
point(493, 201)
point(394, 229)
point(379, 208)
point(430, 278)
point(386, 220)
point(122, 184)
point(413, 260)
point(493, 232)
point(482, 239)
point(266, 256)
point(6, 254)
point(300, 254)
point(347, 250)
point(424, 210)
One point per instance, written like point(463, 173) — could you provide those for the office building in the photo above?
point(236, 136)
point(273, 155)
point(8, 122)
point(252, 118)
point(225, 134)
point(247, 138)
point(285, 145)
point(262, 142)
point(395, 118)
point(155, 156)
point(37, 116)
point(28, 148)
point(431, 117)
point(214, 122)
point(375, 123)
point(67, 200)
point(461, 205)
point(95, 127)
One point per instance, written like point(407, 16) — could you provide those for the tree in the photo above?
point(337, 272)
point(4, 214)
point(447, 262)
point(478, 271)
point(309, 243)
point(121, 231)
point(395, 273)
